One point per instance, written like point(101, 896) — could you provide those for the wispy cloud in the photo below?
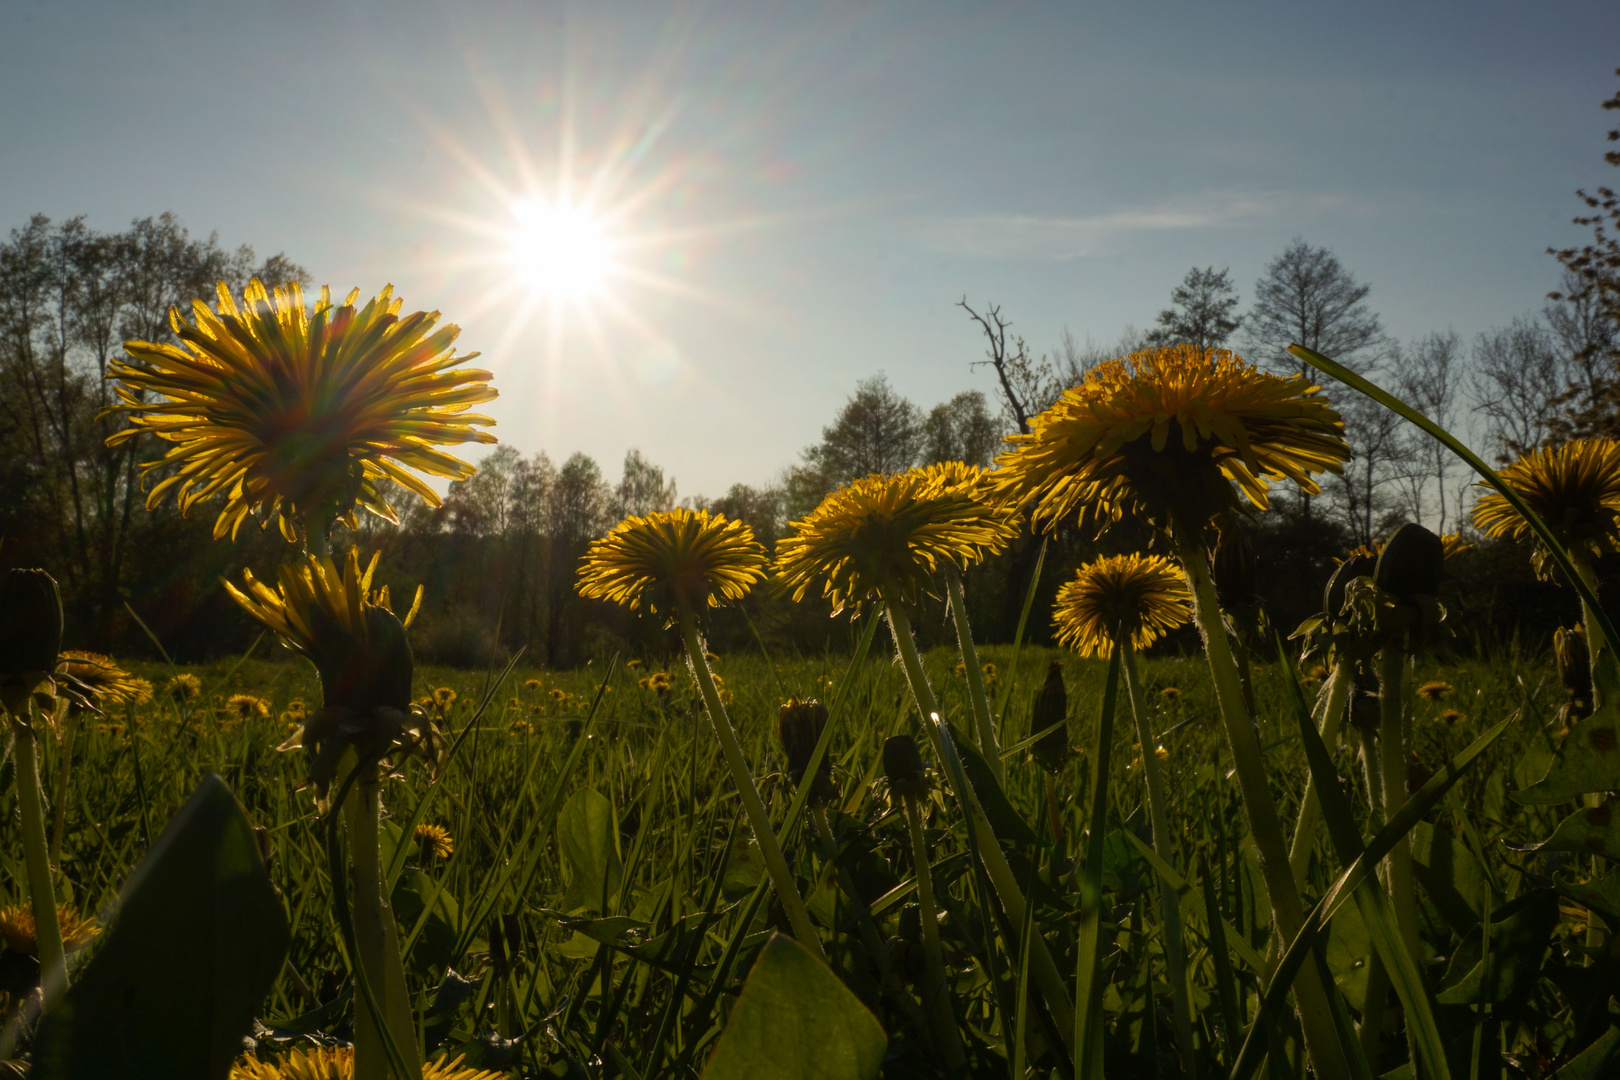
point(1057, 238)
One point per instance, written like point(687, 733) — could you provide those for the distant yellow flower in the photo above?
point(632, 664)
point(1162, 753)
point(990, 677)
point(110, 729)
point(558, 696)
point(1434, 690)
point(1450, 717)
point(17, 927)
point(961, 669)
point(888, 535)
point(444, 697)
point(532, 684)
point(183, 687)
point(673, 558)
point(520, 727)
point(1170, 693)
point(1171, 432)
point(1141, 596)
point(338, 1064)
point(1574, 489)
point(658, 682)
point(246, 707)
point(285, 411)
point(435, 840)
point(101, 681)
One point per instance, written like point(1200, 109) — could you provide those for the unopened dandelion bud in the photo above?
point(1232, 567)
point(799, 725)
point(1412, 563)
point(1353, 567)
point(30, 634)
point(1050, 710)
point(367, 670)
point(1574, 662)
point(903, 766)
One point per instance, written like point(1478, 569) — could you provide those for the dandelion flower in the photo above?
point(1434, 690)
point(100, 681)
point(435, 840)
point(183, 687)
point(672, 558)
point(532, 684)
point(1450, 717)
point(1170, 693)
point(961, 669)
point(632, 664)
point(1142, 597)
point(444, 697)
point(1453, 544)
point(240, 707)
point(558, 696)
point(287, 412)
point(887, 535)
point(17, 927)
point(520, 727)
point(1162, 753)
point(338, 1064)
point(1574, 488)
point(1167, 433)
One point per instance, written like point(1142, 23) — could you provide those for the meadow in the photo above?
point(594, 902)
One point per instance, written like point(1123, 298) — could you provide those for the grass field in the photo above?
point(563, 932)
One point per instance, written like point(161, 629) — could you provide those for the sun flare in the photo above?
point(562, 251)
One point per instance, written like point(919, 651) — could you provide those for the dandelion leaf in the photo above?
point(1590, 1064)
point(1589, 757)
point(1449, 874)
point(1601, 894)
point(1593, 830)
point(1520, 933)
point(587, 836)
point(198, 940)
point(796, 1021)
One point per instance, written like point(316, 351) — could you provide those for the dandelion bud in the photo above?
point(903, 766)
point(1411, 563)
point(1050, 710)
point(366, 670)
point(799, 725)
point(1574, 663)
point(1353, 567)
point(1232, 567)
point(30, 633)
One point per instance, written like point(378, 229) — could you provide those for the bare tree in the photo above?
point(1306, 296)
point(1028, 385)
point(1430, 376)
point(1516, 382)
point(1201, 311)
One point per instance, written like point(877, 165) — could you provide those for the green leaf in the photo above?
point(1589, 1063)
point(434, 947)
point(1589, 757)
point(1601, 894)
point(199, 938)
point(588, 839)
point(796, 1021)
point(1348, 949)
point(1450, 875)
point(1591, 830)
point(1006, 821)
point(1520, 932)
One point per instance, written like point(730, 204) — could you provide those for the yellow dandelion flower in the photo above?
point(246, 707)
point(659, 682)
point(1452, 544)
point(286, 412)
point(1434, 690)
point(1450, 717)
point(1141, 596)
point(558, 696)
point(297, 708)
point(1319, 672)
point(435, 840)
point(1574, 488)
point(183, 687)
point(1170, 693)
point(444, 697)
point(17, 927)
point(1171, 432)
point(632, 664)
point(1162, 753)
point(961, 669)
point(671, 558)
point(110, 729)
point(520, 727)
point(532, 684)
point(338, 1064)
point(887, 535)
point(100, 681)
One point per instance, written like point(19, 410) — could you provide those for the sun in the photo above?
point(562, 251)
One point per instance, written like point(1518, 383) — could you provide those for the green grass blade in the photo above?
point(1196, 903)
point(1018, 638)
point(1225, 981)
point(1473, 460)
point(1088, 952)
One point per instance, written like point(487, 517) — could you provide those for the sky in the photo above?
point(793, 197)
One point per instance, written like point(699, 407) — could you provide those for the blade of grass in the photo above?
point(1088, 941)
point(1018, 638)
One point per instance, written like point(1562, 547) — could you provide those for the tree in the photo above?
point(877, 431)
point(960, 429)
point(642, 490)
point(1028, 385)
point(1201, 311)
point(1516, 382)
point(1307, 297)
point(1430, 379)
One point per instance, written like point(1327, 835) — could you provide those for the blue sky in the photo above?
point(801, 193)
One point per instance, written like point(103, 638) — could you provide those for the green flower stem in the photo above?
point(53, 979)
point(1175, 949)
point(1000, 873)
point(1243, 738)
point(373, 939)
point(1392, 755)
point(1335, 696)
point(1595, 643)
point(787, 893)
point(989, 748)
point(70, 726)
point(936, 994)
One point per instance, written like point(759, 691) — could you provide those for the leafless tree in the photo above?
point(1517, 378)
point(1028, 385)
point(1429, 377)
point(1306, 296)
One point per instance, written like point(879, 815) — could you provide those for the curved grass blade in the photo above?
point(1087, 950)
point(1452, 443)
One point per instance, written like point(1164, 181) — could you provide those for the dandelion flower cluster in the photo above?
point(285, 411)
point(1167, 433)
point(183, 687)
point(888, 535)
point(1140, 597)
point(241, 707)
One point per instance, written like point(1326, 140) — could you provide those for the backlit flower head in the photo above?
point(1434, 690)
point(17, 928)
point(1170, 432)
point(287, 412)
point(887, 535)
point(1454, 544)
point(435, 840)
point(1141, 596)
point(239, 707)
point(671, 558)
point(338, 1064)
point(99, 681)
point(183, 687)
point(1574, 489)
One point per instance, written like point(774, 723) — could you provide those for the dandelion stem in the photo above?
point(1335, 695)
point(1243, 738)
point(989, 748)
point(995, 862)
point(41, 893)
point(1595, 643)
point(787, 893)
point(1175, 950)
point(64, 767)
point(1392, 752)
